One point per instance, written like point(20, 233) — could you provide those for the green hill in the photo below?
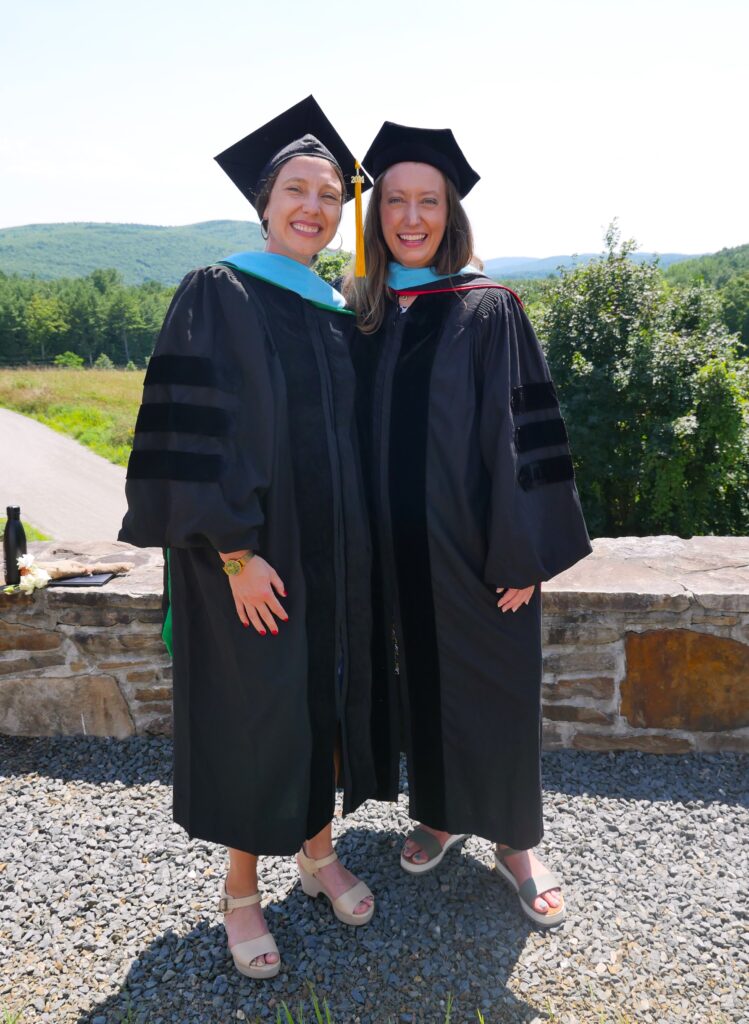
point(715, 270)
point(140, 252)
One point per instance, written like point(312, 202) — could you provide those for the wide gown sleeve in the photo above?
point(202, 454)
point(536, 527)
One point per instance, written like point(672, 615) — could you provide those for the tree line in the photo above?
point(653, 381)
point(90, 317)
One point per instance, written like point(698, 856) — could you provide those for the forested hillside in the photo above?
point(727, 272)
point(138, 252)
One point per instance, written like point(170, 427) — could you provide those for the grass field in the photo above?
point(31, 534)
point(96, 407)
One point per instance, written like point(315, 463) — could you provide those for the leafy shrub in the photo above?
point(103, 362)
point(68, 359)
point(655, 397)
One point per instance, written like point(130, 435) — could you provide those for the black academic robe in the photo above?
point(471, 487)
point(246, 438)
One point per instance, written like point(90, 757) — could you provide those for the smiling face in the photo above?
point(413, 212)
point(304, 208)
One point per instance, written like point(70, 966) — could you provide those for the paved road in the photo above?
point(64, 489)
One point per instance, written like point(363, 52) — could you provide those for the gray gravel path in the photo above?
point(64, 489)
point(105, 905)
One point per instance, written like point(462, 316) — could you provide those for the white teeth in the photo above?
point(307, 230)
point(412, 238)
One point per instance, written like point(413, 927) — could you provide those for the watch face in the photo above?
point(232, 567)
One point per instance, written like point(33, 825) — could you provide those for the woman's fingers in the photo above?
point(512, 598)
point(275, 606)
point(278, 583)
point(241, 612)
point(264, 613)
point(255, 620)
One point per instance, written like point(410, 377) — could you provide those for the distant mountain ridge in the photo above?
point(528, 266)
point(142, 252)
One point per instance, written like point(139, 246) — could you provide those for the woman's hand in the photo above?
point(512, 599)
point(254, 597)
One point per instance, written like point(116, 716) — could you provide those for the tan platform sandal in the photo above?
point(345, 904)
point(245, 952)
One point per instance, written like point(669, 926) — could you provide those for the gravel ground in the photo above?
point(107, 911)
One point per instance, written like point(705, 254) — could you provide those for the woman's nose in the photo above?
point(311, 203)
point(412, 213)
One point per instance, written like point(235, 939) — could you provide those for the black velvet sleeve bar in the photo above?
point(204, 436)
point(536, 526)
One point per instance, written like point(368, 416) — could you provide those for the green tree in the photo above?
point(655, 398)
point(331, 266)
point(68, 359)
point(735, 297)
point(45, 321)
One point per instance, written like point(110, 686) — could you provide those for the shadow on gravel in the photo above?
point(632, 775)
point(133, 762)
point(629, 775)
point(456, 930)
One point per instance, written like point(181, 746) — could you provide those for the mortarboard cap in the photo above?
point(397, 143)
point(302, 130)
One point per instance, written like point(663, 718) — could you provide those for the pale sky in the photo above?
point(573, 112)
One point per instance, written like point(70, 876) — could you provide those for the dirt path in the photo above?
point(64, 489)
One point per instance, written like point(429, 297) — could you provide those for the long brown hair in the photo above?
point(368, 295)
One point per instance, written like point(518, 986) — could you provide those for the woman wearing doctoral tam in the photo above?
point(245, 467)
point(472, 489)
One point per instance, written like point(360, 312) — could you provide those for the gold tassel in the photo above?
point(360, 265)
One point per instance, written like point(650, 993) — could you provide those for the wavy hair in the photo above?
point(368, 295)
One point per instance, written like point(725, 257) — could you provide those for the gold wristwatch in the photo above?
point(233, 566)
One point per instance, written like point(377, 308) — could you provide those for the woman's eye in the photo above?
point(331, 197)
point(393, 200)
point(430, 202)
point(293, 188)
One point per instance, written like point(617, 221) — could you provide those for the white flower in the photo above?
point(25, 561)
point(34, 579)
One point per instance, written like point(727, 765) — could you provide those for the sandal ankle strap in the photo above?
point(227, 903)
point(311, 865)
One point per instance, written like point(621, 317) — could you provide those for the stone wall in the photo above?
point(646, 648)
point(87, 660)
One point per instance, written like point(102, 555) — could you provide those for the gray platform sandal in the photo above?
point(432, 847)
point(243, 953)
point(530, 889)
point(345, 904)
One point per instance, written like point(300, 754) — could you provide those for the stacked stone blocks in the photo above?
point(646, 648)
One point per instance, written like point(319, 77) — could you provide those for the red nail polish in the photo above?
point(274, 632)
point(245, 624)
point(262, 632)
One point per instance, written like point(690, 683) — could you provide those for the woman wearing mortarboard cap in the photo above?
point(245, 468)
point(473, 494)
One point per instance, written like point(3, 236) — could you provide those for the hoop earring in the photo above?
point(264, 230)
point(339, 246)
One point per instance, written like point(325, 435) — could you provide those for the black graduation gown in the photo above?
point(246, 439)
point(472, 488)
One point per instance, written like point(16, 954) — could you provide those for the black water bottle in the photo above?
point(14, 545)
